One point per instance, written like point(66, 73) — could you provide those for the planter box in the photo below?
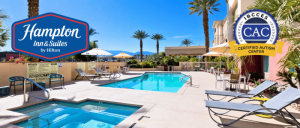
point(36, 88)
point(4, 91)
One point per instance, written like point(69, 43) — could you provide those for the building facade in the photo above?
point(264, 65)
point(220, 32)
point(6, 55)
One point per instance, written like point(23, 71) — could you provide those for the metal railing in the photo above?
point(201, 65)
point(186, 81)
point(48, 94)
point(115, 76)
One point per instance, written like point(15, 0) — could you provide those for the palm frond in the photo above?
point(92, 31)
point(140, 34)
point(199, 6)
point(186, 42)
point(157, 37)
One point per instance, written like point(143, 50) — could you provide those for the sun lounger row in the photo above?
point(82, 74)
point(272, 107)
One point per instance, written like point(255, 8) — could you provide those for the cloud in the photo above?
point(181, 36)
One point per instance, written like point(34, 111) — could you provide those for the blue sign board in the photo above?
point(50, 36)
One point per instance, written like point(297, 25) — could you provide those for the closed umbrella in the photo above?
point(97, 52)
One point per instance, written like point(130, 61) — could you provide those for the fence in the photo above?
point(200, 65)
point(67, 69)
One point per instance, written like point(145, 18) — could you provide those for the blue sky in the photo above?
point(117, 20)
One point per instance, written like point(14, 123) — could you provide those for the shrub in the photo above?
point(171, 62)
point(134, 61)
point(255, 76)
point(193, 59)
point(129, 62)
point(153, 64)
point(135, 66)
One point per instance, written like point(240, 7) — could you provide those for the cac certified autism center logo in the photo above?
point(256, 33)
point(50, 36)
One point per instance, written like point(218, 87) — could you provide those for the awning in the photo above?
point(185, 50)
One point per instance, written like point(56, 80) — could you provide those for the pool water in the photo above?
point(162, 82)
point(87, 114)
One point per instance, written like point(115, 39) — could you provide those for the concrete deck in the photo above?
point(184, 109)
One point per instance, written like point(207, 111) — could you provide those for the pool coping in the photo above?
point(128, 122)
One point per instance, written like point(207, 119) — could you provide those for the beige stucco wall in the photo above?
point(225, 28)
point(234, 9)
point(185, 50)
point(67, 70)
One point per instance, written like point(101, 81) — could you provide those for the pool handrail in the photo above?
point(185, 81)
point(48, 94)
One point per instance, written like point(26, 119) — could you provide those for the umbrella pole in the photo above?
point(220, 66)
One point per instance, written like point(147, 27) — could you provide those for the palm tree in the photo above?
point(203, 7)
point(157, 37)
point(4, 32)
point(92, 31)
point(186, 42)
point(139, 34)
point(138, 56)
point(33, 10)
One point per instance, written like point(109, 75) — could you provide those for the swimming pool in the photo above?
point(162, 82)
point(87, 114)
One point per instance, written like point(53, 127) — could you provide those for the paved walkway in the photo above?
point(185, 109)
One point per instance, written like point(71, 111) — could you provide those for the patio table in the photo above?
point(125, 69)
point(224, 76)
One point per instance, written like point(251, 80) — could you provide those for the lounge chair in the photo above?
point(254, 92)
point(82, 73)
point(57, 78)
point(15, 79)
point(272, 107)
point(102, 73)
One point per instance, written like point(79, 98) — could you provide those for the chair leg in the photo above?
point(76, 77)
point(15, 89)
point(9, 88)
point(86, 77)
point(216, 84)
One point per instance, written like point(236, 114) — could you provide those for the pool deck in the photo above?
point(184, 109)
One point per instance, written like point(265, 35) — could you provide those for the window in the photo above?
point(266, 63)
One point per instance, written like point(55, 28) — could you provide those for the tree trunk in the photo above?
point(33, 10)
point(157, 46)
point(298, 74)
point(205, 26)
point(141, 46)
